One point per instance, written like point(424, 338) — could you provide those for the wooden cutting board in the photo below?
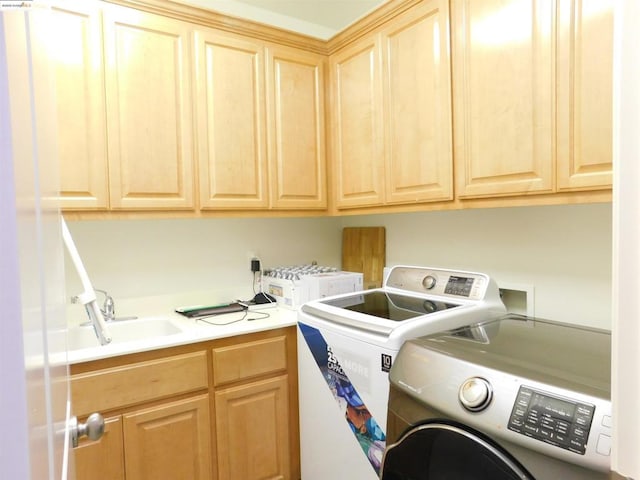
point(363, 250)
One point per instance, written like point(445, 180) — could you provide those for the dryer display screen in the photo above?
point(557, 421)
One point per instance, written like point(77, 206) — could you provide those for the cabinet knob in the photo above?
point(93, 428)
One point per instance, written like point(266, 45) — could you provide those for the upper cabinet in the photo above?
point(82, 134)
point(391, 100)
point(503, 96)
point(296, 128)
point(532, 96)
point(356, 120)
point(260, 112)
point(585, 94)
point(232, 146)
point(149, 110)
point(423, 104)
point(417, 96)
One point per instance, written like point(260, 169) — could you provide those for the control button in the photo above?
point(606, 421)
point(576, 443)
point(578, 432)
point(519, 412)
point(562, 439)
point(562, 427)
point(429, 282)
point(516, 421)
point(604, 445)
point(475, 394)
point(583, 421)
point(586, 410)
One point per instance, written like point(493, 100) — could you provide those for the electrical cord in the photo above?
point(244, 317)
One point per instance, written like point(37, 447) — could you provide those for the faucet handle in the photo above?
point(109, 307)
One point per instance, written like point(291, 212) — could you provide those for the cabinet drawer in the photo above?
point(251, 359)
point(103, 390)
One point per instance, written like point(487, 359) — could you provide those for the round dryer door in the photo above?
point(443, 450)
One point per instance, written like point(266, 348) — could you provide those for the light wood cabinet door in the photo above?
point(419, 156)
point(503, 96)
point(103, 458)
point(149, 110)
point(357, 129)
point(252, 429)
point(585, 98)
point(295, 105)
point(169, 441)
point(231, 122)
point(81, 113)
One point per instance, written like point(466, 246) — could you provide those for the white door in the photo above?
point(34, 398)
point(625, 378)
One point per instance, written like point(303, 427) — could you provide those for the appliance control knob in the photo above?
point(429, 282)
point(475, 394)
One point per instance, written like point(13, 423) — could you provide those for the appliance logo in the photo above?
point(368, 433)
point(348, 365)
point(385, 362)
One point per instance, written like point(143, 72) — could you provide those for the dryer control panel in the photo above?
point(558, 421)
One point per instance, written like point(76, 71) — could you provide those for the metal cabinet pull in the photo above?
point(93, 428)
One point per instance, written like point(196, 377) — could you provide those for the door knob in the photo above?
point(93, 428)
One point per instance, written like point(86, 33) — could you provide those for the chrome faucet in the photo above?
point(108, 307)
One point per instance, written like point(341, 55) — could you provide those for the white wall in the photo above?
point(140, 258)
point(564, 252)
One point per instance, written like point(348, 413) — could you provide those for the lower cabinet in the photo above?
point(224, 409)
point(169, 441)
point(102, 458)
point(252, 445)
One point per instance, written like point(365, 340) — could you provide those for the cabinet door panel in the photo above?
point(357, 124)
point(252, 426)
point(503, 83)
point(419, 156)
point(296, 120)
point(170, 441)
point(103, 458)
point(149, 110)
point(585, 98)
point(232, 143)
point(82, 131)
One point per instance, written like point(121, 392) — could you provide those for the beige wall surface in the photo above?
point(563, 253)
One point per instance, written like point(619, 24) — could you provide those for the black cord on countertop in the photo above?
point(244, 317)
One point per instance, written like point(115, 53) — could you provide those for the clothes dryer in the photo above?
point(514, 398)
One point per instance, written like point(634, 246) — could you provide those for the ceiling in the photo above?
point(335, 14)
point(317, 18)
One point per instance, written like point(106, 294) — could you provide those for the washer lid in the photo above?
point(567, 356)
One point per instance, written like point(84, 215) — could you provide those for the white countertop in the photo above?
point(189, 330)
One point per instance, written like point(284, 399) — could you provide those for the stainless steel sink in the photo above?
point(122, 331)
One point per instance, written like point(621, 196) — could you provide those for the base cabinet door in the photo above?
point(103, 458)
point(252, 429)
point(169, 441)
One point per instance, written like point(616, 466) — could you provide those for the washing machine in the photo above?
point(347, 345)
point(512, 398)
